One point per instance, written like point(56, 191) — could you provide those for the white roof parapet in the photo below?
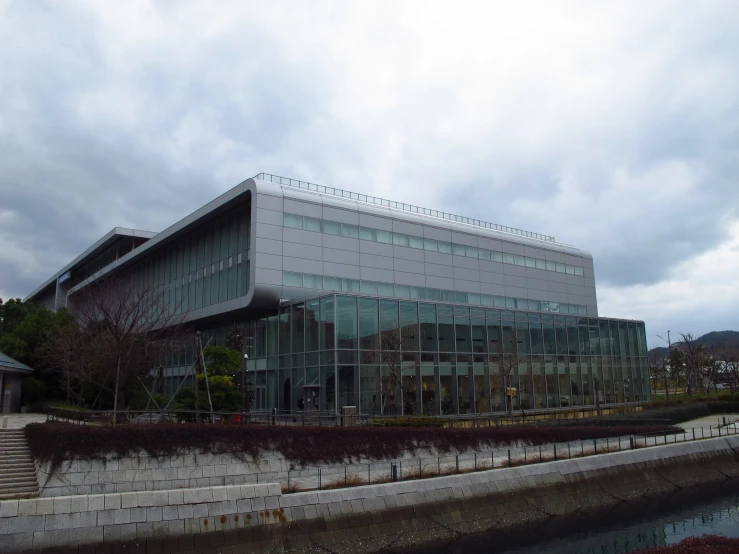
point(368, 199)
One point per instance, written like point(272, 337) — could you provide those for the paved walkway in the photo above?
point(712, 420)
point(19, 421)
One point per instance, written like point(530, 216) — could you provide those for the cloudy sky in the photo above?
point(613, 126)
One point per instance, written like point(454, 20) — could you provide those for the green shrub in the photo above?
point(34, 390)
point(723, 407)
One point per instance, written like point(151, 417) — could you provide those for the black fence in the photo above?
point(345, 417)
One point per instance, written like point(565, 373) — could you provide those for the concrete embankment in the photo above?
point(397, 516)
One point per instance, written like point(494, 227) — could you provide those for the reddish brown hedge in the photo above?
point(56, 442)
point(708, 544)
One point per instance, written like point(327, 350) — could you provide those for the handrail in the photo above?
point(333, 191)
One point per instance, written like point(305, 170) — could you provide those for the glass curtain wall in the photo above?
point(391, 357)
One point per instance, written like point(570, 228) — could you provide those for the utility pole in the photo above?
point(669, 357)
point(246, 344)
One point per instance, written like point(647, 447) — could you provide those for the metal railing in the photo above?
point(399, 206)
point(554, 416)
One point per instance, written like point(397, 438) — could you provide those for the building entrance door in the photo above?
point(312, 395)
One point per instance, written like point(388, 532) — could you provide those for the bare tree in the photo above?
point(509, 362)
point(730, 369)
point(126, 325)
point(659, 372)
point(694, 354)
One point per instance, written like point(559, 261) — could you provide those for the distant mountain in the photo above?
point(715, 340)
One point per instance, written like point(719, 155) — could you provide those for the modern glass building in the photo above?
point(352, 300)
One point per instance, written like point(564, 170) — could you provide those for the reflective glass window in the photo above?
point(331, 228)
point(402, 291)
point(570, 269)
point(326, 326)
point(509, 259)
point(293, 221)
point(368, 287)
point(530, 262)
point(400, 239)
point(409, 325)
point(298, 328)
point(346, 322)
point(311, 325)
point(519, 260)
point(427, 318)
point(484, 253)
point(312, 224)
point(367, 234)
point(579, 271)
point(368, 323)
point(496, 256)
point(350, 231)
point(331, 283)
point(459, 249)
point(350, 285)
point(292, 279)
point(472, 252)
point(550, 266)
point(445, 247)
point(312, 281)
point(385, 289)
point(445, 320)
point(540, 264)
point(385, 237)
point(559, 267)
point(415, 242)
point(431, 245)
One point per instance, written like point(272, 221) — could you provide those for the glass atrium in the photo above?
point(393, 357)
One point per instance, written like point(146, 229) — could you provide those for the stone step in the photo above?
point(21, 493)
point(17, 467)
point(20, 485)
point(14, 459)
point(16, 474)
point(18, 495)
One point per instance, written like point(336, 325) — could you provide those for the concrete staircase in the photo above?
point(17, 470)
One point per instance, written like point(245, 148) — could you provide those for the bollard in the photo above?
point(457, 461)
point(631, 442)
point(319, 478)
point(369, 476)
point(492, 460)
point(345, 476)
point(393, 472)
point(555, 451)
point(509, 458)
point(595, 446)
point(693, 433)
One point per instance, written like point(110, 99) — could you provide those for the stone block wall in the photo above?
point(145, 473)
point(408, 513)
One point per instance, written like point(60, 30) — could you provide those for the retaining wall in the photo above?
point(407, 514)
point(146, 473)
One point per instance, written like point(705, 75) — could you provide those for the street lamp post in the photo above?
point(245, 384)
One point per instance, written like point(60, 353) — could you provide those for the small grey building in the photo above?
point(12, 373)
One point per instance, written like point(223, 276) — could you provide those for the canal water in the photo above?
point(631, 527)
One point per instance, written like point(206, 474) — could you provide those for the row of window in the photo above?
point(322, 282)
point(350, 323)
point(401, 239)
